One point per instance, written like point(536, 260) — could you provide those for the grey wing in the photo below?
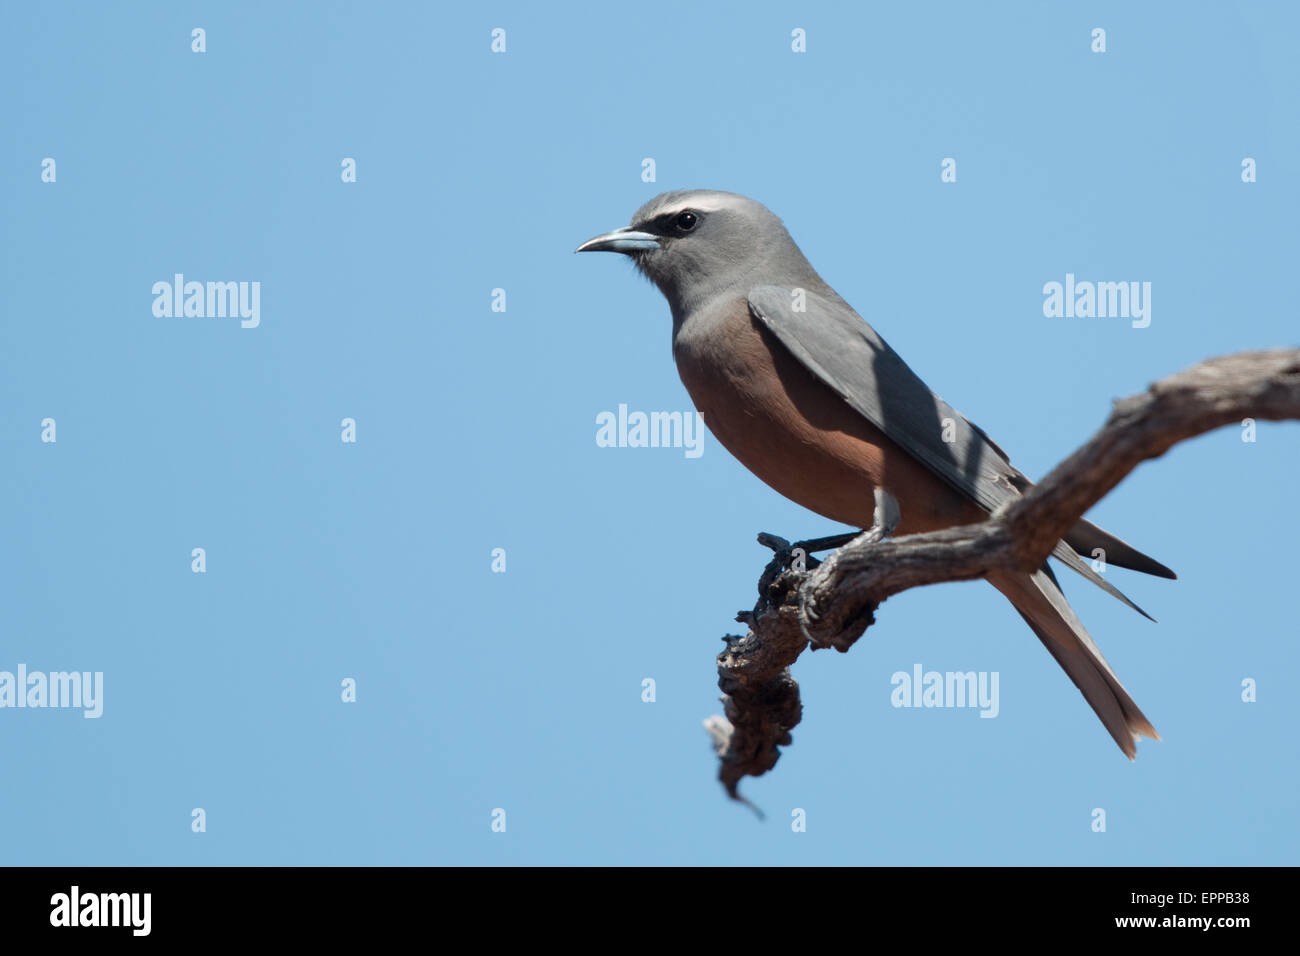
point(840, 348)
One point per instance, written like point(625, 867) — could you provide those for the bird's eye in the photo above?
point(686, 221)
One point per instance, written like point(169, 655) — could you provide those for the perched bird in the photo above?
point(809, 398)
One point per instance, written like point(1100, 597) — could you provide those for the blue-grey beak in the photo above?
point(625, 240)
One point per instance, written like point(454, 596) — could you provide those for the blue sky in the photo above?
point(475, 429)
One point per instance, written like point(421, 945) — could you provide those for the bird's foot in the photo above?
point(796, 555)
point(799, 554)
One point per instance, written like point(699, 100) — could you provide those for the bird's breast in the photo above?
point(794, 432)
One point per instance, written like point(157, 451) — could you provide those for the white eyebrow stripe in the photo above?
point(693, 206)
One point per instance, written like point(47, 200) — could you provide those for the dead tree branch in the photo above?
point(803, 603)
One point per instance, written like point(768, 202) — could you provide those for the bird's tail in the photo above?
point(1044, 608)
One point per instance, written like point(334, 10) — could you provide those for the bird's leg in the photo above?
point(887, 515)
point(886, 518)
point(799, 555)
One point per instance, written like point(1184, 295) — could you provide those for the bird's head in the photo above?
point(696, 243)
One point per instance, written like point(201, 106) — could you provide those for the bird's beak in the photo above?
point(626, 240)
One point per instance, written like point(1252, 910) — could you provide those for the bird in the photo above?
point(809, 398)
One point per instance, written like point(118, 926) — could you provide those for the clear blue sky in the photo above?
point(476, 429)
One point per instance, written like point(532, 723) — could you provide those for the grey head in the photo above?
point(698, 245)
